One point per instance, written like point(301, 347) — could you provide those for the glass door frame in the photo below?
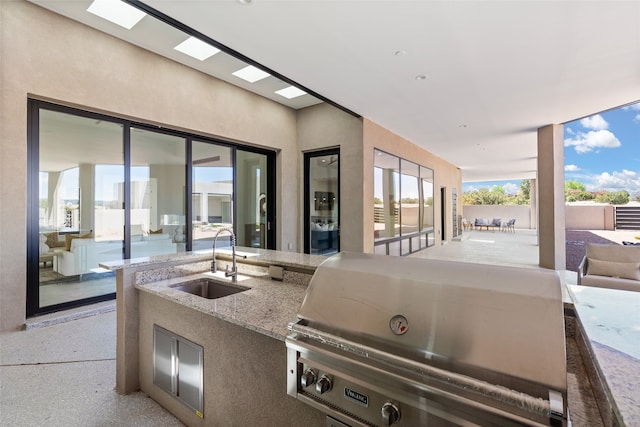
point(307, 193)
point(32, 198)
point(33, 195)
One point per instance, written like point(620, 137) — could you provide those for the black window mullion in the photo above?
point(188, 223)
point(33, 202)
point(126, 143)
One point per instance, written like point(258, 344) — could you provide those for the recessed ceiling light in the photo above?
point(291, 92)
point(462, 126)
point(421, 77)
point(251, 74)
point(117, 12)
point(196, 48)
point(245, 1)
point(400, 52)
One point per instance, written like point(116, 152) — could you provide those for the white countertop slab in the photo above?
point(611, 322)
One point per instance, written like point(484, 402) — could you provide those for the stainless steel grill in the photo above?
point(411, 342)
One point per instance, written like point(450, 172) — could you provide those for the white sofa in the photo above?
point(86, 254)
point(610, 266)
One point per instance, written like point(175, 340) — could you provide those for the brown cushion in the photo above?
point(53, 241)
point(158, 231)
point(625, 270)
point(68, 238)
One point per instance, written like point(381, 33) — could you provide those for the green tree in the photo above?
point(574, 185)
point(525, 189)
point(576, 191)
point(613, 198)
point(495, 196)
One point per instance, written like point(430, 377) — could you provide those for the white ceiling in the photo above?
point(495, 71)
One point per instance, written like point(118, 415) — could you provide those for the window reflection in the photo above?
point(80, 217)
point(212, 193)
point(410, 201)
point(386, 195)
point(403, 205)
point(158, 164)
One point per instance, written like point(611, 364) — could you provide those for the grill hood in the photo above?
point(501, 325)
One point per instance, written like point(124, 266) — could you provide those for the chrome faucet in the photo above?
point(233, 273)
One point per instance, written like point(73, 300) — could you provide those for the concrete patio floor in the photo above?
point(519, 248)
point(63, 375)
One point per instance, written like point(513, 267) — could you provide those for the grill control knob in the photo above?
point(324, 384)
point(390, 414)
point(308, 378)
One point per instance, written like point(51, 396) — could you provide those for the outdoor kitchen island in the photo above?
point(242, 335)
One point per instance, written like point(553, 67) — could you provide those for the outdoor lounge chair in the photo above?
point(508, 225)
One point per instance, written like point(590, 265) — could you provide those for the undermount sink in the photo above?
point(210, 289)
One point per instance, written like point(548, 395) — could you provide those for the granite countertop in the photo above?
point(244, 254)
point(611, 322)
point(267, 307)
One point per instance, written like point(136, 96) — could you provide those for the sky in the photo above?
point(601, 151)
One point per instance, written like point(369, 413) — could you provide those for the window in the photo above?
point(158, 185)
point(212, 193)
point(102, 189)
point(403, 205)
point(80, 220)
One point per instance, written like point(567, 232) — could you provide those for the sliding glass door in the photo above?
point(212, 193)
point(102, 189)
point(79, 214)
point(158, 189)
point(255, 208)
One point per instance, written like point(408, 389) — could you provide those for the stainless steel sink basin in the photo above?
point(209, 288)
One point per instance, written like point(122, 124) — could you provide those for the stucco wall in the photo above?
point(324, 126)
point(445, 175)
point(521, 213)
point(595, 217)
point(47, 56)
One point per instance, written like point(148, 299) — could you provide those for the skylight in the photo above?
point(251, 74)
point(117, 12)
point(196, 48)
point(291, 92)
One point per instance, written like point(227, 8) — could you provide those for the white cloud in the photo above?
point(571, 168)
point(616, 181)
point(635, 107)
point(569, 131)
point(511, 188)
point(594, 123)
point(585, 142)
point(637, 118)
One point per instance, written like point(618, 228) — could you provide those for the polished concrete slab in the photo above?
point(519, 248)
point(63, 374)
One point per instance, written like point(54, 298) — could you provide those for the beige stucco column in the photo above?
point(551, 220)
point(533, 198)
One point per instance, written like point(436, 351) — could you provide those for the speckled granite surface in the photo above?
point(267, 307)
point(262, 257)
point(610, 320)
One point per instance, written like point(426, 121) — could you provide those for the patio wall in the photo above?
point(592, 217)
point(577, 217)
point(506, 212)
